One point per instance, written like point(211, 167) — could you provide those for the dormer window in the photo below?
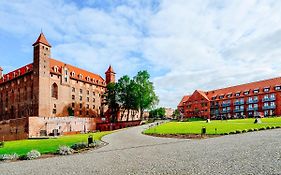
point(88, 78)
point(80, 76)
point(237, 94)
point(65, 71)
point(214, 97)
point(56, 69)
point(246, 92)
point(72, 73)
point(27, 68)
point(256, 91)
point(14, 74)
point(266, 89)
point(19, 72)
point(229, 95)
point(278, 87)
point(221, 96)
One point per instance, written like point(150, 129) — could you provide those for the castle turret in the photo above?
point(41, 71)
point(110, 75)
point(1, 72)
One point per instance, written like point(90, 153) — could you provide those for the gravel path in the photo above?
point(130, 152)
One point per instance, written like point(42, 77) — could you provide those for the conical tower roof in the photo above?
point(110, 70)
point(42, 39)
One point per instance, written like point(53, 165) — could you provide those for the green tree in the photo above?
point(111, 99)
point(176, 114)
point(145, 95)
point(157, 113)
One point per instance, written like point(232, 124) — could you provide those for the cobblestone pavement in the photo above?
point(130, 152)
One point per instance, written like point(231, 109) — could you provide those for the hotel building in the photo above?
point(246, 100)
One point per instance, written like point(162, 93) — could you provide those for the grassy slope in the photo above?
point(21, 147)
point(222, 126)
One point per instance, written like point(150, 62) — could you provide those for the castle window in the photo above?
point(54, 90)
point(72, 73)
point(56, 69)
point(80, 76)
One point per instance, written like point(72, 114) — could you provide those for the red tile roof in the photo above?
point(184, 99)
point(94, 78)
point(42, 39)
point(203, 94)
point(245, 87)
point(16, 73)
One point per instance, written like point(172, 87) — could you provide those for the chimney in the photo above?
point(1, 72)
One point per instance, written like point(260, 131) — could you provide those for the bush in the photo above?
point(65, 150)
point(263, 128)
point(256, 129)
point(278, 127)
point(238, 131)
point(244, 130)
point(33, 154)
point(232, 132)
point(1, 144)
point(268, 127)
point(9, 157)
point(79, 146)
point(250, 130)
point(226, 133)
point(273, 127)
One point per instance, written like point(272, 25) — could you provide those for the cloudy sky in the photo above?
point(184, 44)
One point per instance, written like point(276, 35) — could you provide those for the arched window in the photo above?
point(54, 91)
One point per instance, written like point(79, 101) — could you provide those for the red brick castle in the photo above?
point(50, 97)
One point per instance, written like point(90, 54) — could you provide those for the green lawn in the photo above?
point(44, 146)
point(224, 126)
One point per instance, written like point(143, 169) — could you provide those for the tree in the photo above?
point(176, 114)
point(111, 99)
point(157, 113)
point(145, 95)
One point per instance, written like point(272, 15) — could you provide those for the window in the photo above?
point(54, 111)
point(266, 90)
point(88, 92)
point(246, 92)
point(277, 88)
point(256, 98)
point(73, 105)
point(88, 106)
point(81, 98)
point(88, 99)
point(73, 89)
point(256, 91)
point(81, 91)
point(229, 95)
point(81, 105)
point(272, 103)
point(255, 105)
point(272, 96)
point(94, 106)
point(54, 90)
point(94, 94)
point(237, 94)
point(94, 100)
point(73, 97)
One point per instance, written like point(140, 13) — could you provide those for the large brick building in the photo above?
point(50, 97)
point(246, 100)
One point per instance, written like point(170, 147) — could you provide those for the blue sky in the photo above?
point(185, 45)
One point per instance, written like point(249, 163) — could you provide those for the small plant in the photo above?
point(232, 132)
point(256, 129)
point(273, 127)
point(278, 127)
point(238, 131)
point(268, 127)
point(2, 144)
point(226, 133)
point(79, 146)
point(33, 154)
point(65, 150)
point(250, 130)
point(263, 128)
point(9, 157)
point(244, 130)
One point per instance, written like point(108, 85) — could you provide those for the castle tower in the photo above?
point(110, 75)
point(41, 81)
point(1, 72)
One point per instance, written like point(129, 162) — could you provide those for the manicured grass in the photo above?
point(215, 127)
point(44, 146)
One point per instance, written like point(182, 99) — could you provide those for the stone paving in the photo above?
point(130, 152)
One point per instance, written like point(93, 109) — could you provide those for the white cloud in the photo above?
point(186, 45)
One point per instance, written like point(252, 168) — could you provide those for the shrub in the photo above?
point(244, 130)
point(273, 127)
point(33, 154)
point(250, 130)
point(232, 132)
point(1, 144)
point(226, 133)
point(263, 128)
point(268, 127)
point(278, 127)
point(9, 157)
point(238, 131)
point(65, 150)
point(256, 129)
point(79, 146)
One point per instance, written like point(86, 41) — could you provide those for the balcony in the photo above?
point(269, 99)
point(238, 110)
point(252, 101)
point(225, 104)
point(252, 109)
point(268, 107)
point(226, 111)
point(239, 103)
